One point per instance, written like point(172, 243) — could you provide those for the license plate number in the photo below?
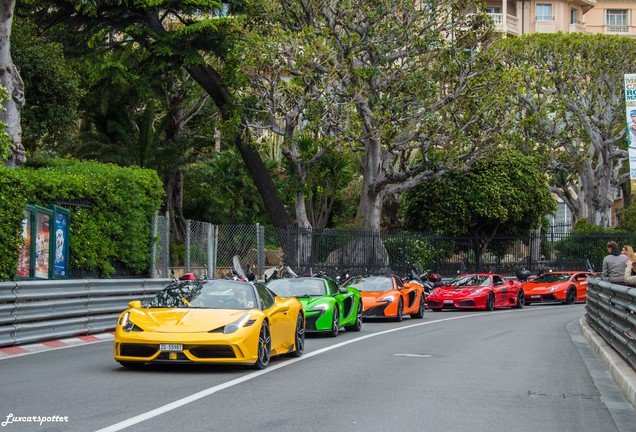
point(448, 302)
point(170, 347)
point(536, 296)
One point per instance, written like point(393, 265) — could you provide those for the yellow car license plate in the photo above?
point(170, 347)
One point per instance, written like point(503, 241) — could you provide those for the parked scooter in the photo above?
point(239, 273)
point(427, 279)
point(523, 275)
point(279, 273)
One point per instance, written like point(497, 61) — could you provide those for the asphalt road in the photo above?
point(508, 370)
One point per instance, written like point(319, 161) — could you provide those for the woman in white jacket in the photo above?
point(630, 273)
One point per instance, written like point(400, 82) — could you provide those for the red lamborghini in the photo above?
point(560, 286)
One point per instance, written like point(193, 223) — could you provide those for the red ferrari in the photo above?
point(390, 297)
point(560, 286)
point(477, 291)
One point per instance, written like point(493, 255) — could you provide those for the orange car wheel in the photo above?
point(570, 297)
point(420, 310)
point(400, 310)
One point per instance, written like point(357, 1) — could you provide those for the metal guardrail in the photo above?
point(611, 312)
point(32, 311)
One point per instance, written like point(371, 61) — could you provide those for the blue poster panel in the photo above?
point(60, 267)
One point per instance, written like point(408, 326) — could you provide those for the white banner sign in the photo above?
point(630, 113)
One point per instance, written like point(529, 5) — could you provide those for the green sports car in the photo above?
point(327, 306)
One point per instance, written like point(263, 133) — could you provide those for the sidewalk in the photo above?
point(620, 370)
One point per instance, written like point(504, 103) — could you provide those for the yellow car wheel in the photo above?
point(264, 347)
point(299, 340)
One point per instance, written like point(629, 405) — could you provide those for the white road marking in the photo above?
point(207, 392)
point(413, 355)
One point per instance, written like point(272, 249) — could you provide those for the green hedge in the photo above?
point(116, 228)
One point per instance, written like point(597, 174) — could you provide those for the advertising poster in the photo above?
point(24, 261)
point(42, 244)
point(630, 114)
point(60, 266)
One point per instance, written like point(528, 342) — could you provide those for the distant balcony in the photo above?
point(577, 27)
point(623, 30)
point(508, 24)
point(545, 25)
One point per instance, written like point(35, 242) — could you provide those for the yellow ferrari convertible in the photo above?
point(210, 321)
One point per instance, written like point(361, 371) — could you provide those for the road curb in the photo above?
point(621, 371)
point(20, 350)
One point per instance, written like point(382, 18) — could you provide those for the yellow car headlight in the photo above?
point(127, 325)
point(232, 327)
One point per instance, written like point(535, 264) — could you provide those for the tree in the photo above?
point(291, 92)
point(139, 113)
point(221, 191)
point(571, 108)
point(505, 193)
point(50, 114)
point(12, 83)
point(396, 70)
point(194, 35)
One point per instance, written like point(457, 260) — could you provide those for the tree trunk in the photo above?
point(369, 212)
point(210, 81)
point(12, 82)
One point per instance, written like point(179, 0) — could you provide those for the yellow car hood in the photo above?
point(183, 320)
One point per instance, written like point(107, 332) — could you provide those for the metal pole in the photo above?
point(213, 233)
point(187, 246)
point(260, 249)
point(165, 248)
point(153, 248)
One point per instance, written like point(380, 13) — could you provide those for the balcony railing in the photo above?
point(510, 24)
point(617, 29)
point(577, 27)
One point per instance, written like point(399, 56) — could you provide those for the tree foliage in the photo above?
point(220, 191)
point(570, 108)
point(5, 139)
point(52, 87)
point(503, 194)
point(196, 35)
point(115, 228)
point(382, 77)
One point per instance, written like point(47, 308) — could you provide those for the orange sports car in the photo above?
point(559, 286)
point(389, 297)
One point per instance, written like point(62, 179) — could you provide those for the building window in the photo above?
point(493, 10)
point(616, 20)
point(573, 19)
point(544, 12)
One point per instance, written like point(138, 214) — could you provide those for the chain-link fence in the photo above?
point(209, 250)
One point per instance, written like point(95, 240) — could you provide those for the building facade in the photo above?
point(613, 17)
point(517, 17)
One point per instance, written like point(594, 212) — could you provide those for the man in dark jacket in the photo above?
point(614, 265)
